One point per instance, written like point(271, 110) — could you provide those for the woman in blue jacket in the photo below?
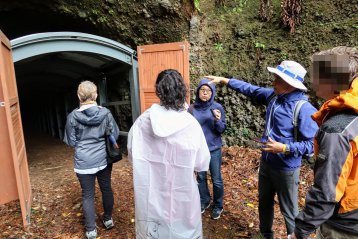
point(211, 117)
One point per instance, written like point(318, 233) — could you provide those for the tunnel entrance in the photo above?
point(49, 67)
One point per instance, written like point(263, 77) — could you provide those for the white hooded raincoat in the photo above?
point(166, 147)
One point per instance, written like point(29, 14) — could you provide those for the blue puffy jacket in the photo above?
point(278, 124)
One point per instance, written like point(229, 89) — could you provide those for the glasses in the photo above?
point(208, 91)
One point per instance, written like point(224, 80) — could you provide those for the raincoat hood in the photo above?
point(198, 104)
point(345, 101)
point(167, 122)
point(91, 116)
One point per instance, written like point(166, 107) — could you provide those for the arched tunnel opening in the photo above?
point(48, 69)
point(47, 88)
point(47, 79)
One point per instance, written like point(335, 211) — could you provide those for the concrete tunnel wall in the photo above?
point(49, 67)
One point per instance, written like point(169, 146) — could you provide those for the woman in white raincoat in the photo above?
point(166, 145)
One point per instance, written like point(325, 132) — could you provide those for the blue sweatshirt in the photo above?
point(279, 126)
point(202, 112)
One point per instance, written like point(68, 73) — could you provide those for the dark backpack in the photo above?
point(114, 154)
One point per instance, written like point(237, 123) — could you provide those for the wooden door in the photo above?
point(14, 174)
point(152, 59)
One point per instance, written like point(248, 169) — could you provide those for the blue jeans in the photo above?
point(88, 182)
point(218, 185)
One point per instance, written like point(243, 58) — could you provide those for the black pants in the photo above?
point(88, 182)
point(285, 184)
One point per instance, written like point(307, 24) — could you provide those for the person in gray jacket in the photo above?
point(86, 131)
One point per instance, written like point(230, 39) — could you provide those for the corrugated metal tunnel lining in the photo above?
point(49, 67)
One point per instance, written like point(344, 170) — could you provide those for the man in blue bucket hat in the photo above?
point(282, 151)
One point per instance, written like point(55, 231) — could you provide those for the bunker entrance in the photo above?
point(47, 88)
point(49, 67)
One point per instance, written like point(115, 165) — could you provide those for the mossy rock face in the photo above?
point(129, 22)
point(235, 43)
point(228, 40)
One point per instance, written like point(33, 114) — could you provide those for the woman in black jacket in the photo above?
point(85, 131)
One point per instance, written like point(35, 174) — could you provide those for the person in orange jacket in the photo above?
point(332, 201)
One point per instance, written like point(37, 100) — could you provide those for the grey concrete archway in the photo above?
point(67, 57)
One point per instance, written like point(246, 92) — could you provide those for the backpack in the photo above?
point(296, 111)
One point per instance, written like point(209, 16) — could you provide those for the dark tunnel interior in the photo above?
point(47, 87)
point(47, 84)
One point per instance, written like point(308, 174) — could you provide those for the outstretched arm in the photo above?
point(217, 80)
point(260, 95)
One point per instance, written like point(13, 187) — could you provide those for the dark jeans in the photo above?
point(218, 186)
point(88, 182)
point(285, 184)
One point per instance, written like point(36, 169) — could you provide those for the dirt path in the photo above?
point(57, 208)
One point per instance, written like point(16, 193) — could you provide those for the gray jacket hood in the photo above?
point(92, 116)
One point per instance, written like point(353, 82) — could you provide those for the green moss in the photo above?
point(247, 46)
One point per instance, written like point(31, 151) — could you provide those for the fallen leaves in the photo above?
point(57, 204)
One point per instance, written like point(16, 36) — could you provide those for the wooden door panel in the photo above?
point(13, 161)
point(152, 59)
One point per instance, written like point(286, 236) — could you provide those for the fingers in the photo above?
point(217, 114)
point(269, 150)
point(273, 146)
point(210, 77)
point(213, 79)
point(216, 79)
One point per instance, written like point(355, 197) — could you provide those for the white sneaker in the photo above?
point(91, 234)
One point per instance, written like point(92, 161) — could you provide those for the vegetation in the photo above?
point(237, 41)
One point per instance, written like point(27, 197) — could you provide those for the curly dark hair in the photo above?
point(171, 89)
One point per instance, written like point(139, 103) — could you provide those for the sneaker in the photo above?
point(216, 213)
point(91, 234)
point(108, 224)
point(203, 207)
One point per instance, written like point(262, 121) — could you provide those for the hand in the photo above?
point(217, 79)
point(217, 114)
point(272, 146)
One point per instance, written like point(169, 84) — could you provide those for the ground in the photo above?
point(57, 209)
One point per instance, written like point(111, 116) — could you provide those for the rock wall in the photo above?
point(227, 39)
point(133, 22)
point(230, 40)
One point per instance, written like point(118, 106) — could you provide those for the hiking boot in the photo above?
point(91, 234)
point(216, 213)
point(108, 224)
point(203, 207)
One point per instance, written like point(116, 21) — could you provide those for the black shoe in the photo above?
point(203, 207)
point(216, 213)
point(108, 224)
